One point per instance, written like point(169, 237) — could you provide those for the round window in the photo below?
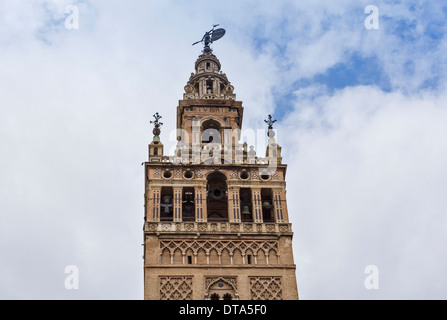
point(265, 177)
point(188, 174)
point(244, 175)
point(167, 174)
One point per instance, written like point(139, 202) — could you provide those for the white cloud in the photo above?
point(367, 187)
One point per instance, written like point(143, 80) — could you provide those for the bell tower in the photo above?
point(216, 220)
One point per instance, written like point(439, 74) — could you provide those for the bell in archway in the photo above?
point(266, 205)
point(246, 210)
point(246, 214)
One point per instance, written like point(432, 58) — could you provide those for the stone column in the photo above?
point(257, 205)
point(234, 205)
point(200, 199)
point(153, 204)
point(177, 204)
point(278, 207)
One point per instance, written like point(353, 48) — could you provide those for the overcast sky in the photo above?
point(362, 119)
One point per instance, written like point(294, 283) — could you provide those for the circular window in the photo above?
point(244, 175)
point(167, 174)
point(265, 177)
point(188, 174)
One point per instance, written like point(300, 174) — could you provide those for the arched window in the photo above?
point(217, 199)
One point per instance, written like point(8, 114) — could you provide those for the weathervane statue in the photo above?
point(210, 37)
point(270, 121)
point(157, 124)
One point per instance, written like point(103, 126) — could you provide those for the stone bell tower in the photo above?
point(216, 220)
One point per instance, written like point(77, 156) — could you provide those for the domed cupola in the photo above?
point(208, 81)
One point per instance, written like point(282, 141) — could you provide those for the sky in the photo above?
point(361, 116)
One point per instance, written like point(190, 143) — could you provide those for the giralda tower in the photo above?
point(216, 219)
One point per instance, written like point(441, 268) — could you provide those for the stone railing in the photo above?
point(217, 227)
point(244, 160)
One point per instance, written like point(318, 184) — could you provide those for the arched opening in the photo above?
point(217, 199)
point(211, 132)
point(246, 205)
point(221, 289)
point(209, 86)
point(166, 203)
point(267, 205)
point(188, 206)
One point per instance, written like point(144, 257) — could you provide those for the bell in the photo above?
point(266, 205)
point(245, 210)
point(167, 199)
point(217, 194)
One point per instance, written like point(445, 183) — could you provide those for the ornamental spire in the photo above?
point(157, 125)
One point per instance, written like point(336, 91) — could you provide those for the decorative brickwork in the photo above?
point(266, 288)
point(175, 288)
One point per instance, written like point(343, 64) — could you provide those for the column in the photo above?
point(278, 207)
point(257, 205)
point(234, 205)
point(153, 204)
point(200, 200)
point(177, 204)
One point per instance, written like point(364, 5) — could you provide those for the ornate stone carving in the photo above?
point(176, 288)
point(235, 227)
point(248, 227)
point(266, 288)
point(224, 284)
point(220, 246)
point(152, 226)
